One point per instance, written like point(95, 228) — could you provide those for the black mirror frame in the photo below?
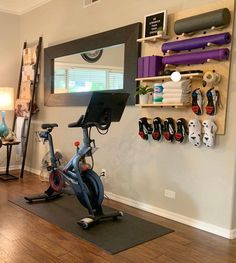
point(127, 35)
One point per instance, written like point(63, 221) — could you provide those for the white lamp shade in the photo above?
point(6, 98)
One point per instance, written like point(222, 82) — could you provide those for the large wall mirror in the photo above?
point(103, 62)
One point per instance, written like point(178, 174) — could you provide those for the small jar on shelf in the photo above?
point(157, 95)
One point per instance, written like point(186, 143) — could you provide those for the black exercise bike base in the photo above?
point(42, 197)
point(112, 236)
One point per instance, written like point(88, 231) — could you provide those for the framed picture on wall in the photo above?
point(155, 24)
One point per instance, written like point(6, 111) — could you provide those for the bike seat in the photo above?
point(46, 126)
point(78, 123)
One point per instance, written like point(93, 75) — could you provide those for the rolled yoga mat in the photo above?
point(197, 57)
point(197, 42)
point(216, 18)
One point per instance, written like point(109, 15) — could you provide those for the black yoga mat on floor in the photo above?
point(112, 236)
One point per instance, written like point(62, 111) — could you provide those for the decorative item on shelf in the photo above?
point(197, 101)
point(6, 104)
point(197, 42)
point(211, 77)
point(155, 24)
point(197, 57)
point(143, 92)
point(195, 130)
point(10, 137)
point(167, 72)
point(212, 101)
point(210, 129)
point(145, 128)
point(216, 18)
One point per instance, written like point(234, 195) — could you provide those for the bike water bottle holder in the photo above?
point(43, 135)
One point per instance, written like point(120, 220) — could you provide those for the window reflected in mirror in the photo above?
point(98, 70)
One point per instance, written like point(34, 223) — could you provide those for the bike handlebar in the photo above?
point(78, 123)
point(101, 126)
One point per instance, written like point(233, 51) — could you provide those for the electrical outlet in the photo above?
point(103, 172)
point(169, 194)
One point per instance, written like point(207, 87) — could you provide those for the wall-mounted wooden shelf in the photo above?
point(190, 75)
point(152, 46)
point(153, 38)
point(174, 105)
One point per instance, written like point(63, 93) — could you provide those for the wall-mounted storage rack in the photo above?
point(152, 46)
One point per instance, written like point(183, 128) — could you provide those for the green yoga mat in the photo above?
point(112, 236)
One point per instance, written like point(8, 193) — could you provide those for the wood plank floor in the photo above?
point(25, 237)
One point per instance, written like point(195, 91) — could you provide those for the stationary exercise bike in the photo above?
point(103, 109)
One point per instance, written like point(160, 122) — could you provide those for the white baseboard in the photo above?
point(32, 170)
point(233, 234)
point(227, 233)
point(18, 167)
point(12, 167)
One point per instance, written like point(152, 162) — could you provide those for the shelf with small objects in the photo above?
point(173, 105)
point(205, 51)
point(168, 77)
point(157, 88)
point(153, 38)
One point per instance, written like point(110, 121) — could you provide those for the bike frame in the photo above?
point(71, 172)
point(73, 163)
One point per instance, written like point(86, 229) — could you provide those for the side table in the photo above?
point(7, 176)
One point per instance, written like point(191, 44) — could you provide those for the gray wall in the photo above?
point(203, 179)
point(9, 61)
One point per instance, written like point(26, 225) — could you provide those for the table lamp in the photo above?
point(6, 103)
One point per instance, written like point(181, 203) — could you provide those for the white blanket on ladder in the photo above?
point(20, 128)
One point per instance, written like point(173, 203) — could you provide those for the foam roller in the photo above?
point(197, 57)
point(197, 42)
point(216, 18)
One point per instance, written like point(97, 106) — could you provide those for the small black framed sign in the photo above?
point(155, 24)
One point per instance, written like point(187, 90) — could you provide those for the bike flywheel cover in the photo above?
point(56, 180)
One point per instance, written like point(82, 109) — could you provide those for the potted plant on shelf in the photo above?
point(143, 92)
point(160, 31)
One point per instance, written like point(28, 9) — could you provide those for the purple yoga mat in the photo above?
point(197, 57)
point(197, 42)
